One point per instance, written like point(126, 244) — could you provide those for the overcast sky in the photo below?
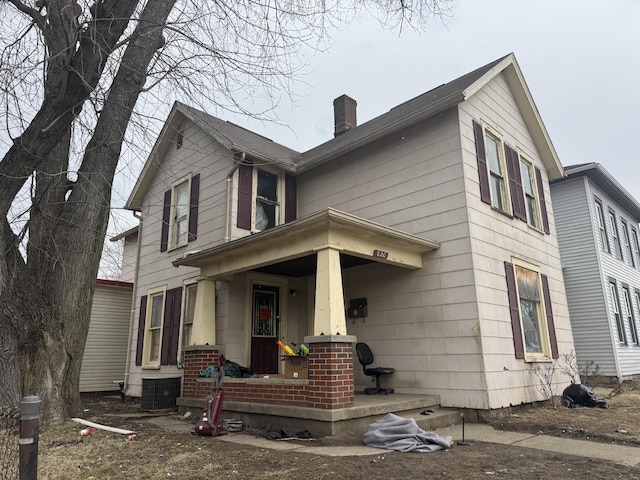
point(580, 59)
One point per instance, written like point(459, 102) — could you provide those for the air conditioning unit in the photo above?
point(160, 393)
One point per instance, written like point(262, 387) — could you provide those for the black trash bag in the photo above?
point(278, 433)
point(578, 395)
point(234, 370)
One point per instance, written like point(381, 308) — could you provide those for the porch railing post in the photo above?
point(28, 441)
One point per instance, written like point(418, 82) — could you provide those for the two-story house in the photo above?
point(426, 232)
point(597, 224)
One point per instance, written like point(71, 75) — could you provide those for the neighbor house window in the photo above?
point(615, 305)
point(153, 333)
point(634, 326)
point(614, 234)
point(531, 312)
point(188, 311)
point(635, 246)
point(628, 307)
point(266, 198)
point(530, 200)
point(602, 227)
point(626, 240)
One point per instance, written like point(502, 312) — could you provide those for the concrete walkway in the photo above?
point(624, 455)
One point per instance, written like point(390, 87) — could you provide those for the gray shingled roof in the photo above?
point(236, 137)
point(420, 107)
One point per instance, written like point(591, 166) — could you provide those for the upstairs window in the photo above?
point(615, 236)
point(180, 213)
point(602, 227)
point(523, 195)
point(626, 240)
point(266, 198)
point(530, 200)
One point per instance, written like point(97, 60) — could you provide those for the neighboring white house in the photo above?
point(105, 352)
point(436, 216)
point(597, 223)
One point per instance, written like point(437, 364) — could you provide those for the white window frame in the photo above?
point(617, 313)
point(628, 306)
point(602, 227)
point(634, 327)
point(542, 323)
point(635, 246)
point(150, 330)
point(256, 199)
point(179, 216)
point(626, 240)
point(531, 200)
point(615, 235)
point(500, 200)
point(185, 312)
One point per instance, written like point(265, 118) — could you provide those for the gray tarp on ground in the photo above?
point(403, 435)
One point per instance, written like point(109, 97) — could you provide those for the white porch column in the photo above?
point(203, 330)
point(329, 317)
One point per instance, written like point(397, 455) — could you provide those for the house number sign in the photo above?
point(380, 254)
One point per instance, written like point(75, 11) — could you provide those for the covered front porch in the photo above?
point(318, 247)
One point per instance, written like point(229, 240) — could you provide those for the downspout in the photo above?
point(133, 302)
point(227, 235)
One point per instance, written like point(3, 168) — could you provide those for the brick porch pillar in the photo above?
point(197, 358)
point(330, 371)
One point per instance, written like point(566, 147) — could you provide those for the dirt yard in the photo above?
point(157, 453)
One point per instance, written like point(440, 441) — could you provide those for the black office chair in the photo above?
point(365, 356)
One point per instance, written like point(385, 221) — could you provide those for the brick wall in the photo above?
point(196, 360)
point(331, 375)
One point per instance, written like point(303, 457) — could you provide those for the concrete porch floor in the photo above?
point(366, 410)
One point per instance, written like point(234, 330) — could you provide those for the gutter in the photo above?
point(134, 299)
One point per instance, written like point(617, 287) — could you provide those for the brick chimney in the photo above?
point(344, 114)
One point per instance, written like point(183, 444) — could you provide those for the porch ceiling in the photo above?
point(289, 249)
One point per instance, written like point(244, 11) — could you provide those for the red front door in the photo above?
point(265, 329)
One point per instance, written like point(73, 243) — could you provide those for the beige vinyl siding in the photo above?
point(496, 238)
point(105, 352)
point(200, 154)
point(412, 181)
point(586, 287)
point(627, 357)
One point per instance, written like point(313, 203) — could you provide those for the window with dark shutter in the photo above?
point(171, 327)
point(483, 176)
point(141, 326)
point(514, 310)
point(515, 183)
point(549, 313)
point(193, 208)
point(543, 205)
point(245, 194)
point(291, 198)
point(166, 218)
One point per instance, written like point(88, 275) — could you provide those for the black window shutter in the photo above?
point(515, 183)
point(245, 178)
point(549, 312)
point(171, 326)
point(291, 198)
point(514, 309)
point(142, 320)
point(483, 175)
point(193, 207)
point(166, 214)
point(543, 204)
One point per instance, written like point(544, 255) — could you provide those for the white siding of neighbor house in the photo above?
point(129, 251)
point(200, 153)
point(105, 352)
point(627, 357)
point(496, 238)
point(586, 287)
